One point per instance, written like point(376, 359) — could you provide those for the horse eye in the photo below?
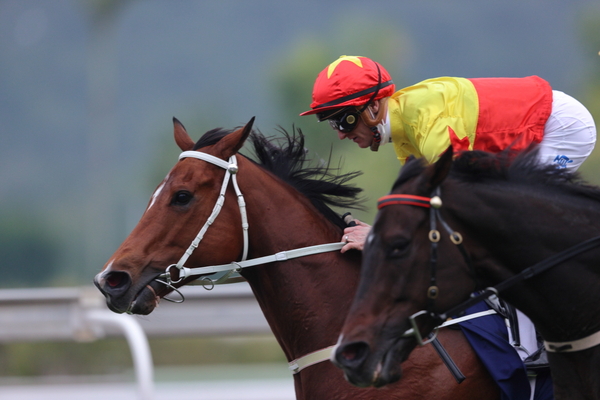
point(181, 198)
point(398, 249)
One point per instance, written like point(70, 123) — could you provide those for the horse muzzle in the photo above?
point(115, 285)
point(363, 367)
point(121, 294)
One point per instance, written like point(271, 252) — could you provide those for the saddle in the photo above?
point(534, 362)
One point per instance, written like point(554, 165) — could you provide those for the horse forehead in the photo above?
point(395, 218)
point(194, 170)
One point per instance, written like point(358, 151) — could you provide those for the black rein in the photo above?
point(525, 274)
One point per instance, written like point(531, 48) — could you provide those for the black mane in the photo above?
point(412, 168)
point(522, 168)
point(211, 137)
point(287, 159)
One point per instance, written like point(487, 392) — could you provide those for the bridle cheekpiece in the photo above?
point(434, 204)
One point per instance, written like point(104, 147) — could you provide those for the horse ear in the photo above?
point(438, 172)
point(183, 140)
point(233, 142)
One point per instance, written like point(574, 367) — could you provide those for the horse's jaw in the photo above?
point(145, 301)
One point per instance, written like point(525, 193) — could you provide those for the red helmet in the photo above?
point(350, 81)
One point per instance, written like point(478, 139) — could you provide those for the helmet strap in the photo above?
point(372, 121)
point(376, 139)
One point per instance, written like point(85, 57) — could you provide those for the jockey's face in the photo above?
point(361, 134)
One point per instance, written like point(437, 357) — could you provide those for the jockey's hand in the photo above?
point(355, 236)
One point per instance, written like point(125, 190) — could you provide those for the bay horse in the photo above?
point(532, 230)
point(303, 299)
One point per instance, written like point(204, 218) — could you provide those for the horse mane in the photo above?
point(288, 159)
point(521, 168)
point(211, 137)
point(413, 167)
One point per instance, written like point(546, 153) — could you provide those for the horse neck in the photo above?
point(521, 230)
point(304, 299)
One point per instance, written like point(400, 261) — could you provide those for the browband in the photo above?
point(407, 199)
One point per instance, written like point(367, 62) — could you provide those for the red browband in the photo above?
point(408, 199)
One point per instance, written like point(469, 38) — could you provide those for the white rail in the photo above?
point(80, 314)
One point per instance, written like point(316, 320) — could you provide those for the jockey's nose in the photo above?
point(341, 135)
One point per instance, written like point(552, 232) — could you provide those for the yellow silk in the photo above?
point(421, 114)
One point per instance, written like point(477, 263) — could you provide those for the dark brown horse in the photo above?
point(304, 299)
point(514, 215)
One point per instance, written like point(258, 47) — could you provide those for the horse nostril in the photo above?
point(116, 281)
point(113, 280)
point(352, 354)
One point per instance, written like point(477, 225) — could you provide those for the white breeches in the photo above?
point(570, 133)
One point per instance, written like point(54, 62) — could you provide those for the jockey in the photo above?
point(357, 96)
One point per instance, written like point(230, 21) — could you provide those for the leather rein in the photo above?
point(434, 203)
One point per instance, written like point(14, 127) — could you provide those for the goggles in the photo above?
point(346, 120)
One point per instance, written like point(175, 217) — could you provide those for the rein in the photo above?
point(527, 273)
point(435, 203)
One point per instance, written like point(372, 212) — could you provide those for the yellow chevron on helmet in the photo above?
point(331, 67)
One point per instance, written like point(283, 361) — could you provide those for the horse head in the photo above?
point(398, 280)
point(177, 210)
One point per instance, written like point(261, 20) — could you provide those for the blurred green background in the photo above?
point(88, 89)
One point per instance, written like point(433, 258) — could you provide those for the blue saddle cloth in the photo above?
point(488, 336)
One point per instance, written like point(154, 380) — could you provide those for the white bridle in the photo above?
point(231, 169)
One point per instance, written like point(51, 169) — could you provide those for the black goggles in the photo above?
point(345, 121)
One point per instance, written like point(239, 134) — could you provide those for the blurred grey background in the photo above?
point(88, 90)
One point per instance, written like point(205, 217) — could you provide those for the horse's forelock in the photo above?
point(212, 137)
